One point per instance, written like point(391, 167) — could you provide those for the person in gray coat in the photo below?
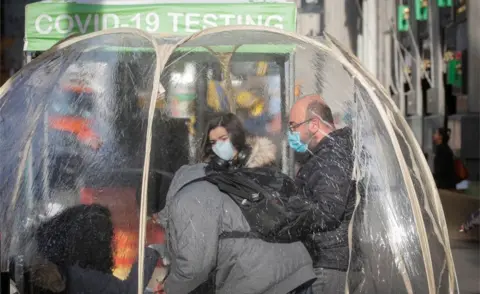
point(198, 213)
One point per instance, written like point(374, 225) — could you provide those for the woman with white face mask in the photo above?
point(226, 139)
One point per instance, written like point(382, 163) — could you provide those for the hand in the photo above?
point(462, 229)
point(159, 288)
point(156, 218)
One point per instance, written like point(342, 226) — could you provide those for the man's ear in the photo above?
point(314, 125)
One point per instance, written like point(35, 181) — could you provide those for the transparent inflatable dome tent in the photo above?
point(107, 117)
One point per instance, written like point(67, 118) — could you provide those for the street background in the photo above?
point(427, 57)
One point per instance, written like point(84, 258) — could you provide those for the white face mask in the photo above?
point(224, 150)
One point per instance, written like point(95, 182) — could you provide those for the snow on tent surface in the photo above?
point(397, 238)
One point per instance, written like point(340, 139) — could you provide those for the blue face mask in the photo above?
point(224, 150)
point(295, 142)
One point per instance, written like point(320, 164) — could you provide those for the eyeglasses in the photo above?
point(293, 126)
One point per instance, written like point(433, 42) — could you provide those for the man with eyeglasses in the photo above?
point(325, 177)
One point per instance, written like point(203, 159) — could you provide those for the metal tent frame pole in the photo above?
point(288, 155)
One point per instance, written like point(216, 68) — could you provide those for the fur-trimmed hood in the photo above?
point(263, 152)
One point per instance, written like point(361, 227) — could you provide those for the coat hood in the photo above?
point(184, 175)
point(263, 152)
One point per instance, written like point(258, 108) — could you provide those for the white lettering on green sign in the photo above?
point(193, 21)
point(151, 22)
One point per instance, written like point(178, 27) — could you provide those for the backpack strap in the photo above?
point(220, 182)
point(191, 182)
point(241, 186)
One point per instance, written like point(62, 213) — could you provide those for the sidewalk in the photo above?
point(466, 256)
point(457, 207)
point(465, 247)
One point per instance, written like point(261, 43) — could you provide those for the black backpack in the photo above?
point(269, 201)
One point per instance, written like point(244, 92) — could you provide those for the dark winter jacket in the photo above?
point(326, 179)
point(444, 167)
point(195, 217)
point(48, 278)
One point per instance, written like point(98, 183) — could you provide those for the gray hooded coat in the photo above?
point(197, 214)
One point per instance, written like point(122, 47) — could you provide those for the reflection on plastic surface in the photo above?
point(76, 127)
point(73, 127)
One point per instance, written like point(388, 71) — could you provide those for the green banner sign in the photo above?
point(48, 23)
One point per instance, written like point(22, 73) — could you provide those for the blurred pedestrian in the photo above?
point(444, 162)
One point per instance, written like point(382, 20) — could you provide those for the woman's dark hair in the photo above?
point(445, 133)
point(80, 235)
point(235, 130)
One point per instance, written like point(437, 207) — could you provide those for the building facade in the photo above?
point(425, 52)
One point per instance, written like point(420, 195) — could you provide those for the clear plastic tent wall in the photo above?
point(108, 117)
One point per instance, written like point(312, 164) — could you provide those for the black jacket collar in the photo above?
point(341, 137)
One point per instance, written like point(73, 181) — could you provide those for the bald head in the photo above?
point(311, 106)
point(311, 117)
